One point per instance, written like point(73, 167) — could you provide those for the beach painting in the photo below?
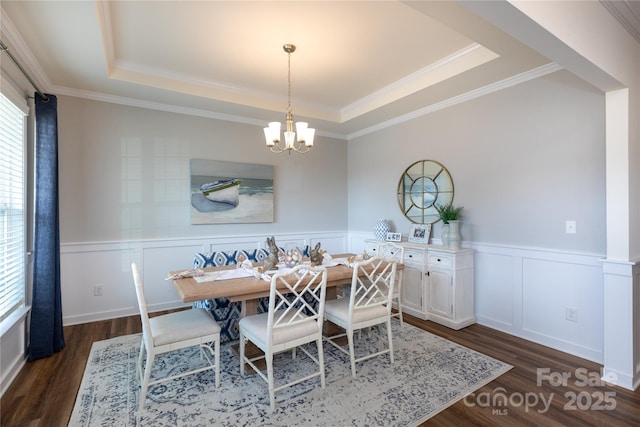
point(229, 192)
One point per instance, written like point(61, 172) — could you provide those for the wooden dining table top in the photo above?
point(248, 288)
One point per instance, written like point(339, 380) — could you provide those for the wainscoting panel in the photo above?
point(107, 265)
point(357, 243)
point(494, 290)
point(546, 288)
point(522, 291)
point(563, 301)
point(526, 292)
point(157, 262)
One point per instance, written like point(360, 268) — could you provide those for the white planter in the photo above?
point(444, 237)
point(454, 234)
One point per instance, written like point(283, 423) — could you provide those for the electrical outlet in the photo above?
point(570, 227)
point(97, 290)
point(571, 314)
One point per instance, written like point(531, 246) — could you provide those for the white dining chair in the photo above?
point(391, 250)
point(294, 318)
point(174, 331)
point(368, 304)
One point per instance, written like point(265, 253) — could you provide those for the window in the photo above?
point(12, 207)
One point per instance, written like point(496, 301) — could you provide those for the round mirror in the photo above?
point(424, 184)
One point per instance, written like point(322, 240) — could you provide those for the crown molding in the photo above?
point(625, 14)
point(476, 93)
point(169, 108)
point(458, 62)
point(29, 62)
point(21, 51)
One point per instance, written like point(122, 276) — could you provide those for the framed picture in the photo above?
point(227, 192)
point(420, 233)
point(394, 237)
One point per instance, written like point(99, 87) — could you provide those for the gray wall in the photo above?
point(125, 174)
point(523, 161)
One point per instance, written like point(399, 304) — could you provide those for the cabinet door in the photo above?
point(412, 288)
point(440, 293)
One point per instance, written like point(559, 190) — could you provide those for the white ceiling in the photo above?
point(358, 64)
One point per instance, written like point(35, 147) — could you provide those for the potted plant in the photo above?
point(449, 212)
point(450, 216)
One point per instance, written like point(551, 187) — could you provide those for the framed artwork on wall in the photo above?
point(229, 192)
point(420, 233)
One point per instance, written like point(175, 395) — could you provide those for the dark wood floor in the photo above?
point(44, 392)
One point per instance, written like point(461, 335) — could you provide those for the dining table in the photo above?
point(223, 282)
point(247, 287)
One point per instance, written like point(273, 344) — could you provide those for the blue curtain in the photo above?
point(46, 333)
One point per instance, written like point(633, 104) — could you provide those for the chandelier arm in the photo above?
point(298, 147)
point(277, 151)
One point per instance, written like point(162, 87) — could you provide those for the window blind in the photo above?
point(12, 208)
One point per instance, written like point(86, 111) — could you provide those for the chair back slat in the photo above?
point(395, 251)
point(296, 296)
point(372, 284)
point(391, 250)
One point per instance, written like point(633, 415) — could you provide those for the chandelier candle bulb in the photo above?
point(272, 134)
point(308, 140)
point(301, 129)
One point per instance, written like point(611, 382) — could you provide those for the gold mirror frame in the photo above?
point(422, 186)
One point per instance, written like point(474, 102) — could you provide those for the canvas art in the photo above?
point(229, 192)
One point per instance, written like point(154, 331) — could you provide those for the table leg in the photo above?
point(247, 308)
point(330, 329)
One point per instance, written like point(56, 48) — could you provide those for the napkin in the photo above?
point(194, 272)
point(212, 276)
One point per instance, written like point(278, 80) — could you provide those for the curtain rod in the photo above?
point(4, 48)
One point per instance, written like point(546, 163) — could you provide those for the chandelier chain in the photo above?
point(289, 83)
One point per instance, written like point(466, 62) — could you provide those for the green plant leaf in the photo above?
point(449, 212)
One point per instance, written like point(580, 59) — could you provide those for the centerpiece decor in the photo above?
point(450, 216)
point(316, 255)
point(292, 257)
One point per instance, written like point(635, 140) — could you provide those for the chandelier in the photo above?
point(305, 134)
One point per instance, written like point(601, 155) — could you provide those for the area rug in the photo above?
point(429, 374)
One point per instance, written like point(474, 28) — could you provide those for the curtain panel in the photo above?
point(46, 333)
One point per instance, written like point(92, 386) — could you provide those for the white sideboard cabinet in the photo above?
point(437, 283)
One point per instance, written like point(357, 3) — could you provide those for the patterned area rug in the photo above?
point(429, 374)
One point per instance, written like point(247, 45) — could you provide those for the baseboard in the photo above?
point(115, 314)
point(14, 370)
point(551, 342)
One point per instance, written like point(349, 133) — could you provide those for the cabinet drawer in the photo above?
point(440, 260)
point(372, 250)
point(414, 258)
